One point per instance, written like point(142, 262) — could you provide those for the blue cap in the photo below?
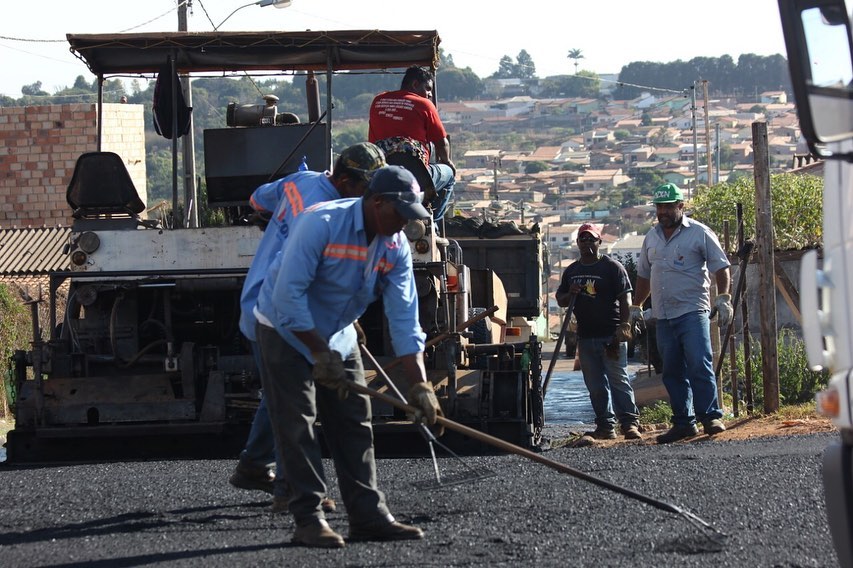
point(397, 184)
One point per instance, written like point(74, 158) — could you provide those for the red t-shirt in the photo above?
point(404, 113)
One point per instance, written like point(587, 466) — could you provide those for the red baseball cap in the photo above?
point(589, 228)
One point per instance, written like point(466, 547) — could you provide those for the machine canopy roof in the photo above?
point(198, 52)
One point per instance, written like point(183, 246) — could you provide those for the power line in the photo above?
point(166, 13)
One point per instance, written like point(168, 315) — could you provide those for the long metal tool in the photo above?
point(708, 530)
point(427, 433)
point(743, 254)
point(447, 334)
point(563, 330)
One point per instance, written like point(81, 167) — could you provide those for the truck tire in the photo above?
point(482, 330)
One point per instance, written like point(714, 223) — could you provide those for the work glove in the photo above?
point(623, 332)
point(638, 322)
point(725, 311)
point(329, 372)
point(422, 397)
point(611, 350)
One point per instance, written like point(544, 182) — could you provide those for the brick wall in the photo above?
point(39, 146)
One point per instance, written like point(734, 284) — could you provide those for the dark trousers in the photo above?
point(295, 403)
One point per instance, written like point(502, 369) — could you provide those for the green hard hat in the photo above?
point(667, 193)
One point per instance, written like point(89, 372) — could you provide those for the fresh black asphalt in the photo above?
point(764, 494)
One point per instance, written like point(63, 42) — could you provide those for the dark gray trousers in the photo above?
point(295, 404)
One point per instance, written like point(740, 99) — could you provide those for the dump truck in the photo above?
point(819, 42)
point(146, 357)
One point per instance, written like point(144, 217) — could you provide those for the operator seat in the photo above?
point(101, 189)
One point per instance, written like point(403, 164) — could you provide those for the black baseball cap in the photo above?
point(397, 184)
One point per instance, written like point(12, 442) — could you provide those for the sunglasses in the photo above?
point(589, 239)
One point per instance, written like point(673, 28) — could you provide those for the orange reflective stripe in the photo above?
point(352, 252)
point(383, 266)
point(294, 198)
point(255, 205)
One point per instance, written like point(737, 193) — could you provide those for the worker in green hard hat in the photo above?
point(675, 263)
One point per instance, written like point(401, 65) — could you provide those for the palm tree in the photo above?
point(575, 54)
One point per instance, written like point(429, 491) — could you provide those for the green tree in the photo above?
point(349, 135)
point(525, 68)
point(647, 180)
point(586, 84)
point(506, 68)
point(459, 84)
point(536, 167)
point(797, 208)
point(15, 333)
point(34, 90)
point(576, 55)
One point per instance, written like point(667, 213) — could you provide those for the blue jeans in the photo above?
point(443, 179)
point(260, 446)
point(607, 382)
point(684, 344)
point(295, 403)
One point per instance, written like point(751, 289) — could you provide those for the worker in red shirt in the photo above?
point(404, 123)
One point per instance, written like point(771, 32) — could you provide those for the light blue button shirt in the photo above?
point(678, 268)
point(286, 198)
point(328, 274)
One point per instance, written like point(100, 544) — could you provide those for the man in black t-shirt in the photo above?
point(602, 294)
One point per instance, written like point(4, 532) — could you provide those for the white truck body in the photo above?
point(820, 55)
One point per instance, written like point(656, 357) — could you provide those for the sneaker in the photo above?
point(714, 426)
point(252, 478)
point(602, 433)
point(677, 433)
point(279, 504)
point(385, 531)
point(317, 534)
point(631, 432)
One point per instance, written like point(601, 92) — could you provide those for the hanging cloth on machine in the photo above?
point(166, 78)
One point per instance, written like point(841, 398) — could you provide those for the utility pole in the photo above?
point(695, 144)
point(709, 168)
point(190, 194)
point(766, 267)
point(717, 152)
point(495, 161)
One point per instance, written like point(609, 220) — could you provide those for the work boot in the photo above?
point(253, 478)
point(714, 426)
point(602, 433)
point(279, 504)
point(385, 531)
point(677, 433)
point(631, 432)
point(317, 534)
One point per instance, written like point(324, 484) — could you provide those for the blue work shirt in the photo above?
point(328, 274)
point(286, 198)
point(678, 268)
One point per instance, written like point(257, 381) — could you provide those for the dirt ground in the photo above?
point(743, 428)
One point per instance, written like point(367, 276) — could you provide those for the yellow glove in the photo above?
point(422, 397)
point(623, 332)
point(329, 372)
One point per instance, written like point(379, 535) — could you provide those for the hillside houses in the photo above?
point(601, 169)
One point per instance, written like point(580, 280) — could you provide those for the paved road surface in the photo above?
point(765, 494)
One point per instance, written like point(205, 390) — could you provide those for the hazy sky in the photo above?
point(610, 33)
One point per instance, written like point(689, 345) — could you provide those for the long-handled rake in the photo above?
point(563, 330)
point(468, 473)
point(707, 530)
